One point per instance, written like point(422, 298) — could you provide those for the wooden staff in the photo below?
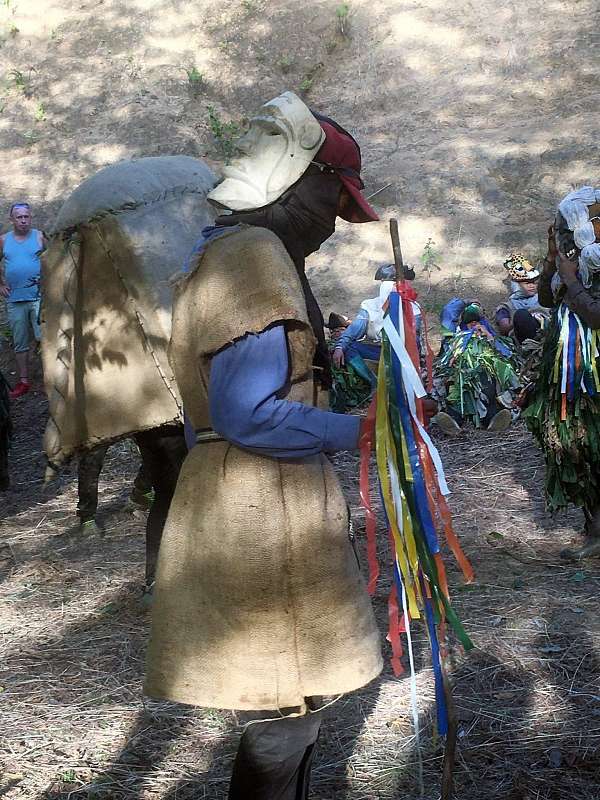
point(447, 788)
point(402, 273)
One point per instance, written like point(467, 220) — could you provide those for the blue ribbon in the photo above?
point(421, 502)
point(440, 694)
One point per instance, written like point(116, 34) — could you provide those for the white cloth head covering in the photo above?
point(374, 308)
point(575, 209)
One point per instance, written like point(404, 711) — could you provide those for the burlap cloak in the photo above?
point(259, 602)
point(107, 295)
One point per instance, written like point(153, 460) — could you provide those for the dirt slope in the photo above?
point(478, 115)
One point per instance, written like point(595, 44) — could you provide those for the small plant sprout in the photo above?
point(224, 133)
point(31, 136)
point(285, 63)
point(342, 13)
point(429, 259)
point(21, 81)
point(195, 80)
point(40, 113)
point(309, 79)
point(18, 79)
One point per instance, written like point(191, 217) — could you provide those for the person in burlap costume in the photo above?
point(259, 603)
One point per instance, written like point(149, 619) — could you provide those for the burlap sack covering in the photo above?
point(107, 295)
point(259, 602)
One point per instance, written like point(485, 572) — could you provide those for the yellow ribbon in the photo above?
point(404, 542)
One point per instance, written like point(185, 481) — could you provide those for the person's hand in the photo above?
point(4, 290)
point(552, 250)
point(567, 269)
point(338, 357)
point(483, 331)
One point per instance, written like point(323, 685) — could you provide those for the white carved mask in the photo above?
point(282, 141)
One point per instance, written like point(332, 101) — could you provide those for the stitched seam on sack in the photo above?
point(132, 205)
point(140, 320)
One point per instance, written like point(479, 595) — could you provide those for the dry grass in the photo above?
point(73, 638)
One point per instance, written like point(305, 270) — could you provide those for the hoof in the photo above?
point(147, 598)
point(141, 501)
point(445, 422)
point(589, 549)
point(500, 422)
point(90, 528)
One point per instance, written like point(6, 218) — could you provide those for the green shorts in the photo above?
point(22, 316)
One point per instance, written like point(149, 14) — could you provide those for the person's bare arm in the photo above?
point(4, 290)
point(545, 296)
point(577, 296)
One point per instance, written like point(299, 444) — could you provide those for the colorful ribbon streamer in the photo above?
point(413, 488)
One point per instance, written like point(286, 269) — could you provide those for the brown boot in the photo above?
point(591, 545)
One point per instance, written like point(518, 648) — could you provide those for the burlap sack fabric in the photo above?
point(107, 295)
point(259, 602)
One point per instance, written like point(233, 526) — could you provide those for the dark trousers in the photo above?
point(88, 474)
point(163, 451)
point(274, 759)
point(525, 325)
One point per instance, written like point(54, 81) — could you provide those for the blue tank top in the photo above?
point(22, 266)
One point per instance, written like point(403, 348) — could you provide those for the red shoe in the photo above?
point(20, 389)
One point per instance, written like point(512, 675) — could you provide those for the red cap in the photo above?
point(340, 151)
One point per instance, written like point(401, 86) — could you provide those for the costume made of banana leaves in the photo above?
point(564, 412)
point(474, 365)
point(352, 384)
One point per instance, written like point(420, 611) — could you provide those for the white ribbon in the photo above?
point(413, 683)
point(564, 337)
point(414, 388)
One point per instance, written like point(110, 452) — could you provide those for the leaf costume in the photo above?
point(469, 364)
point(351, 384)
point(564, 415)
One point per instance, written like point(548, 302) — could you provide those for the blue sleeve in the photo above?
point(450, 316)
point(245, 378)
point(356, 330)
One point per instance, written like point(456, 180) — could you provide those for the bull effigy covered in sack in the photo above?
point(116, 243)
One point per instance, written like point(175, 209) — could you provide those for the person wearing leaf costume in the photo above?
point(475, 372)
point(564, 414)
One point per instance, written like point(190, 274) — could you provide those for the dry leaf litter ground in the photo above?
point(74, 724)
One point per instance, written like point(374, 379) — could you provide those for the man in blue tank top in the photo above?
point(20, 285)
